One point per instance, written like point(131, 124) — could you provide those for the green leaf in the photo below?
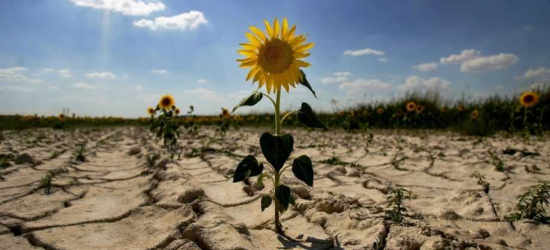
point(308, 118)
point(283, 194)
point(248, 167)
point(266, 202)
point(292, 200)
point(276, 149)
point(303, 169)
point(306, 83)
point(251, 100)
point(261, 179)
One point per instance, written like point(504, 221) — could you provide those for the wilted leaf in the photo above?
point(248, 167)
point(283, 196)
point(303, 169)
point(306, 83)
point(251, 100)
point(266, 202)
point(308, 118)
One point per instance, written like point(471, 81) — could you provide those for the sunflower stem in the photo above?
point(271, 99)
point(278, 227)
point(278, 113)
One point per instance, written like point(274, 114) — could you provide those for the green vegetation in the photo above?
point(79, 153)
point(46, 183)
point(496, 161)
point(480, 117)
point(533, 203)
point(481, 181)
point(395, 201)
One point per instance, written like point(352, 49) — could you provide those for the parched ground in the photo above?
point(116, 200)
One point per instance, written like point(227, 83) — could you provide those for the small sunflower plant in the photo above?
point(164, 124)
point(191, 124)
point(530, 115)
point(275, 60)
point(224, 122)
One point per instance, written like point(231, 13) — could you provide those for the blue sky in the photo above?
point(116, 57)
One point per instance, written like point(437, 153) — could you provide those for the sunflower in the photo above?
point(380, 110)
point(166, 102)
point(461, 108)
point(420, 109)
point(151, 111)
point(225, 113)
point(365, 113)
point(61, 116)
point(351, 114)
point(474, 114)
point(411, 106)
point(177, 111)
point(274, 57)
point(399, 112)
point(529, 99)
point(445, 109)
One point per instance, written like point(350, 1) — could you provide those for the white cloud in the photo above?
point(159, 71)
point(383, 59)
point(489, 63)
point(16, 88)
point(139, 88)
point(149, 98)
point(467, 54)
point(13, 74)
point(35, 81)
point(126, 7)
point(362, 52)
point(201, 81)
point(65, 72)
point(361, 86)
point(539, 74)
point(185, 21)
point(12, 70)
point(337, 77)
point(48, 70)
point(82, 85)
point(53, 88)
point(426, 67)
point(416, 82)
point(102, 75)
point(205, 93)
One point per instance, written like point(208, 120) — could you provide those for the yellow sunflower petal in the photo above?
point(258, 32)
point(253, 40)
point(301, 63)
point(268, 28)
point(252, 72)
point(290, 33)
point(284, 29)
point(247, 53)
point(300, 54)
point(297, 42)
point(304, 47)
point(249, 46)
point(285, 85)
point(276, 28)
point(248, 63)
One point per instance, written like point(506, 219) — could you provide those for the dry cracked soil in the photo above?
point(115, 199)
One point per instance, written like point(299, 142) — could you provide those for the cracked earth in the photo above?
point(116, 200)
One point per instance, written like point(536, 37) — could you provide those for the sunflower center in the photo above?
point(166, 102)
point(275, 56)
point(528, 98)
